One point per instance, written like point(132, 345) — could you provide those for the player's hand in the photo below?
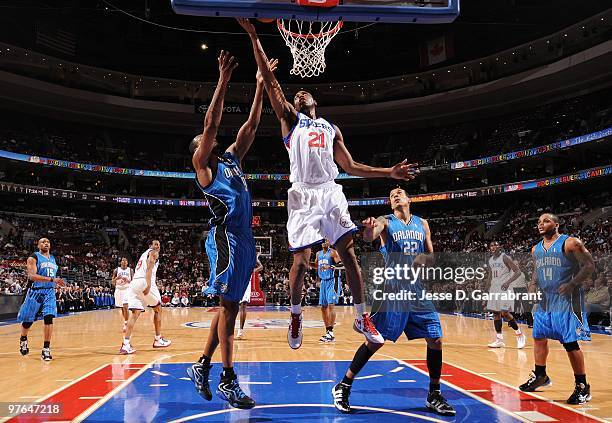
point(532, 288)
point(369, 223)
point(566, 289)
point(404, 170)
point(246, 25)
point(59, 281)
point(227, 64)
point(505, 286)
point(272, 64)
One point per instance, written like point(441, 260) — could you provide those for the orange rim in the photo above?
point(332, 31)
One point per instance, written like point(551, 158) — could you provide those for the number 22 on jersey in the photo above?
point(316, 139)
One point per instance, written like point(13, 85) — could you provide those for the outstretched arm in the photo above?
point(212, 119)
point(246, 134)
point(285, 112)
point(402, 170)
point(373, 228)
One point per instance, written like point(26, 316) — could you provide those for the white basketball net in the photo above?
point(307, 42)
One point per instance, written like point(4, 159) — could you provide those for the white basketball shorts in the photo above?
point(137, 300)
point(121, 296)
point(317, 213)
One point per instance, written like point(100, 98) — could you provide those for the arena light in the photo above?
point(204, 46)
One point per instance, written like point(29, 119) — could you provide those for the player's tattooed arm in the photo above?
point(285, 112)
point(246, 134)
point(212, 119)
point(153, 256)
point(374, 228)
point(402, 170)
point(576, 248)
point(516, 272)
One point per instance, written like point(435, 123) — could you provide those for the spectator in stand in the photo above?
point(598, 297)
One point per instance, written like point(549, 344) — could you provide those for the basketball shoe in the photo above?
point(231, 392)
point(45, 354)
point(365, 326)
point(534, 382)
point(23, 347)
point(436, 402)
point(240, 334)
point(581, 394)
point(498, 343)
point(520, 341)
point(198, 373)
point(294, 334)
point(341, 393)
point(160, 342)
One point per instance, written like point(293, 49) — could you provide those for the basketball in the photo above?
point(369, 211)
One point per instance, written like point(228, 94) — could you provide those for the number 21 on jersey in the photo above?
point(316, 139)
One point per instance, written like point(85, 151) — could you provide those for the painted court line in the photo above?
point(315, 381)
point(89, 398)
point(508, 398)
point(407, 380)
point(156, 372)
point(398, 369)
point(184, 378)
point(246, 382)
point(367, 377)
point(116, 380)
point(155, 385)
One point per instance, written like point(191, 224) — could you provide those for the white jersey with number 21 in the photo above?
point(311, 151)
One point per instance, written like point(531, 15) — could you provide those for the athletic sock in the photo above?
point(158, 337)
point(228, 374)
point(46, 344)
point(498, 327)
point(126, 341)
point(512, 323)
point(580, 379)
point(296, 308)
point(205, 360)
point(347, 381)
point(540, 370)
point(360, 309)
point(434, 387)
point(23, 338)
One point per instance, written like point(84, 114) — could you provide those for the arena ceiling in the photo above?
point(96, 32)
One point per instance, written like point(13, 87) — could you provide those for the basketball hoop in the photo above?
point(307, 41)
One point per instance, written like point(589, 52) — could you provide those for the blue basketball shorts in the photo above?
point(232, 258)
point(415, 325)
point(38, 303)
point(560, 325)
point(327, 292)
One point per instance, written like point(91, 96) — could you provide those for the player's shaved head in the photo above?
point(552, 217)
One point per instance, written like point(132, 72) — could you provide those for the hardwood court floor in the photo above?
point(86, 341)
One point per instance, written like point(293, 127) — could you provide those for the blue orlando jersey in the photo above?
point(553, 269)
point(405, 238)
point(44, 267)
point(325, 259)
point(228, 195)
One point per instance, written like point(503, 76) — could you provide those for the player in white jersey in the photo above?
point(122, 276)
point(143, 292)
point(316, 204)
point(246, 298)
point(503, 271)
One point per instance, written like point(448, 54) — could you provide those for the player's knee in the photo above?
point(48, 319)
point(571, 346)
point(434, 343)
point(27, 325)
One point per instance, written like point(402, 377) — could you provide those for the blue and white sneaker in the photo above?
point(198, 373)
point(231, 392)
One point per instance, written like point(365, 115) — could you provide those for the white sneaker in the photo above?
point(126, 349)
point(161, 343)
point(294, 334)
point(520, 341)
point(365, 326)
point(498, 343)
point(240, 334)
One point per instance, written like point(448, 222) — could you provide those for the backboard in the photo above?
point(393, 11)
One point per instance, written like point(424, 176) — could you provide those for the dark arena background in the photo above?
point(505, 109)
